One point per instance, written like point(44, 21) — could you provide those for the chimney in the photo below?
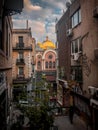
point(27, 24)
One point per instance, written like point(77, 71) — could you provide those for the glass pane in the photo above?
point(46, 64)
point(75, 18)
point(79, 15)
point(80, 46)
point(50, 64)
point(20, 38)
point(72, 47)
point(72, 20)
point(21, 55)
point(53, 64)
point(76, 46)
point(21, 70)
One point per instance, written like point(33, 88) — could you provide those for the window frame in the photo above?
point(50, 64)
point(76, 18)
point(54, 64)
point(21, 72)
point(74, 43)
point(21, 55)
point(39, 64)
point(20, 39)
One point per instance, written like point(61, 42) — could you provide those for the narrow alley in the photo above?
point(63, 123)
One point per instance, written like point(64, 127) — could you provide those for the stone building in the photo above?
point(6, 11)
point(22, 60)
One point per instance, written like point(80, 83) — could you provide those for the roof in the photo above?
point(47, 44)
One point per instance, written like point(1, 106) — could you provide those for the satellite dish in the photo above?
point(68, 4)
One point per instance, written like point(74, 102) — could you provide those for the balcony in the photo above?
point(20, 62)
point(20, 46)
point(2, 82)
point(21, 79)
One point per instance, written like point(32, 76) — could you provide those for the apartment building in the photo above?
point(83, 37)
point(6, 11)
point(22, 60)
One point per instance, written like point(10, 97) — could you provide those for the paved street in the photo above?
point(63, 123)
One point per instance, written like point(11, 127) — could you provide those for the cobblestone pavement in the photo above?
point(63, 123)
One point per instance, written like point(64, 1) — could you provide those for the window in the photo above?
point(20, 55)
point(76, 18)
point(21, 70)
point(46, 64)
point(54, 64)
point(20, 38)
point(76, 46)
point(50, 57)
point(38, 64)
point(50, 64)
point(39, 56)
point(76, 73)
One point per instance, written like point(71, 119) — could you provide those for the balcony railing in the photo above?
point(2, 82)
point(20, 78)
point(20, 62)
point(21, 46)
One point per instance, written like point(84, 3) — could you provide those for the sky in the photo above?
point(42, 16)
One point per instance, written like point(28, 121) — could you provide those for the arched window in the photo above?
point(39, 65)
point(46, 64)
point(50, 64)
point(54, 64)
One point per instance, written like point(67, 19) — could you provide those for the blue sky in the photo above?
point(41, 16)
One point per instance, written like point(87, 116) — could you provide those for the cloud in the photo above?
point(37, 27)
point(29, 7)
point(42, 15)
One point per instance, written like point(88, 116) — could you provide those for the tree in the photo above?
point(39, 112)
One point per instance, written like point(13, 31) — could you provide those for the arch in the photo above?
point(50, 50)
point(39, 65)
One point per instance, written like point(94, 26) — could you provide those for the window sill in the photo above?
point(76, 25)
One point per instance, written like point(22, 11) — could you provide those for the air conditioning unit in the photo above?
point(75, 56)
point(69, 32)
point(95, 12)
point(91, 90)
point(96, 91)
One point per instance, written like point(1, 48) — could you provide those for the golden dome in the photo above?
point(47, 44)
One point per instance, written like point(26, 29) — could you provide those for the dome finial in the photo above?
point(46, 38)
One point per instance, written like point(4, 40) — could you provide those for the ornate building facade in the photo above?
point(22, 60)
point(46, 57)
